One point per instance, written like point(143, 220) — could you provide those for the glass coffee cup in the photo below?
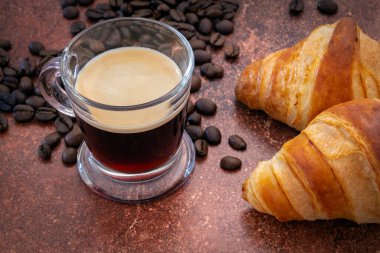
point(127, 83)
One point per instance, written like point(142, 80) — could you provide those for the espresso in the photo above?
point(132, 141)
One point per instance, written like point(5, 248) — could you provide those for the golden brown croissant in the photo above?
point(330, 170)
point(335, 64)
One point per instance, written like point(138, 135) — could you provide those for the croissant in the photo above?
point(335, 64)
point(330, 170)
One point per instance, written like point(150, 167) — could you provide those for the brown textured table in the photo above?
point(44, 206)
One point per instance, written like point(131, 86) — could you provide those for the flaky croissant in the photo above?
point(335, 64)
point(330, 170)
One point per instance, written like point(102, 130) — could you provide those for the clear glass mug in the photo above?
point(145, 158)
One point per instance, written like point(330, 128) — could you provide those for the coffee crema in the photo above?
point(124, 77)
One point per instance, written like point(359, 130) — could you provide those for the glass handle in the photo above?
point(51, 86)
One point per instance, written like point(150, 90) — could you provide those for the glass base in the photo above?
point(134, 188)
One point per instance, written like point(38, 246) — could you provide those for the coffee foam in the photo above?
point(124, 77)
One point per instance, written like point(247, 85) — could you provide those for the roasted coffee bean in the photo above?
point(205, 26)
point(74, 138)
point(69, 156)
point(77, 27)
point(115, 4)
point(85, 2)
point(192, 18)
point(44, 152)
point(296, 7)
point(127, 9)
point(11, 82)
point(65, 3)
point(197, 44)
point(52, 139)
point(201, 148)
point(37, 91)
point(229, 15)
point(212, 135)
point(35, 47)
point(225, 27)
point(49, 52)
point(4, 89)
point(230, 163)
point(170, 2)
point(328, 7)
point(23, 113)
point(196, 83)
point(4, 58)
point(217, 39)
point(205, 38)
point(5, 44)
point(63, 124)
point(230, 4)
point(237, 143)
point(142, 13)
point(27, 67)
point(214, 12)
point(96, 46)
point(205, 106)
point(7, 102)
point(182, 7)
point(195, 132)
point(109, 14)
point(212, 70)
point(70, 12)
point(26, 85)
point(103, 7)
point(35, 101)
point(201, 56)
point(177, 15)
point(3, 122)
point(19, 96)
point(194, 119)
point(94, 14)
point(8, 71)
point(231, 51)
point(140, 4)
point(45, 114)
point(190, 108)
point(163, 8)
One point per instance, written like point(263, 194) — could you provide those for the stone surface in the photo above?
point(45, 206)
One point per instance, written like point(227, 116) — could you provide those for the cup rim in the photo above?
point(180, 86)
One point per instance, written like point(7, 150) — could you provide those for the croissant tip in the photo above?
point(244, 190)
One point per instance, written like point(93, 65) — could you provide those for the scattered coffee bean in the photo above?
point(94, 14)
point(52, 139)
point(45, 114)
point(5, 44)
point(177, 15)
point(205, 26)
point(74, 138)
point(170, 2)
point(8, 71)
point(115, 4)
point(140, 4)
point(44, 152)
point(27, 67)
point(212, 70)
point(103, 7)
point(69, 156)
point(229, 15)
point(35, 101)
point(85, 2)
point(65, 3)
point(231, 51)
point(19, 96)
point(201, 148)
point(212, 135)
point(205, 106)
point(35, 47)
point(195, 132)
point(192, 18)
point(217, 39)
point(328, 7)
point(296, 7)
point(109, 14)
point(70, 12)
point(201, 56)
point(197, 44)
point(194, 119)
point(49, 52)
point(4, 58)
point(230, 163)
point(63, 124)
point(237, 143)
point(4, 89)
point(77, 27)
point(7, 102)
point(23, 113)
point(225, 27)
point(196, 83)
point(26, 85)
point(205, 38)
point(3, 122)
point(214, 11)
point(11, 82)
point(190, 108)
